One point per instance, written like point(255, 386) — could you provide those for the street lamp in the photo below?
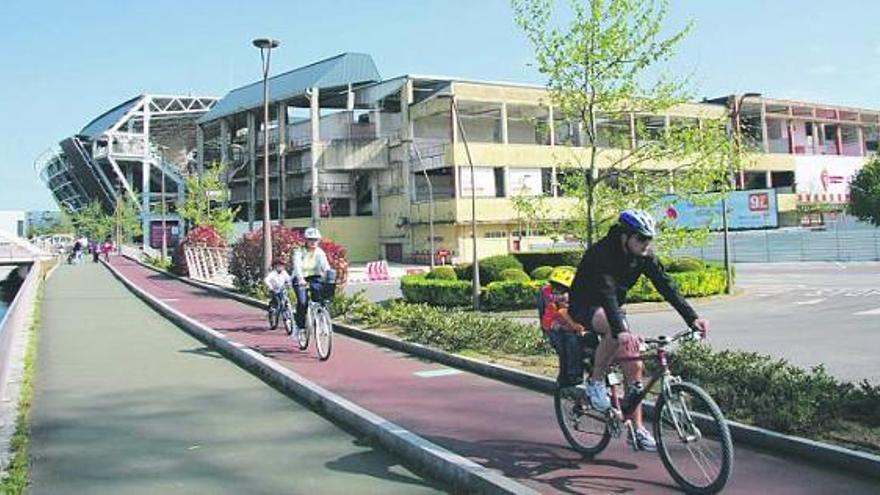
point(162, 149)
point(737, 142)
point(430, 201)
point(476, 280)
point(266, 45)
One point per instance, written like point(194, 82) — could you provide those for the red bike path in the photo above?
point(503, 427)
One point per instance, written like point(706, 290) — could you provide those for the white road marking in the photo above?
point(868, 312)
point(436, 373)
point(810, 302)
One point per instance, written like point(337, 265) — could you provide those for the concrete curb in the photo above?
point(458, 472)
point(809, 450)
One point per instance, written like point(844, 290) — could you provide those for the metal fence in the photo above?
point(208, 264)
point(842, 240)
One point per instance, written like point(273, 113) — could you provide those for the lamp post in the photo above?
point(737, 143)
point(476, 267)
point(266, 45)
point(162, 149)
point(430, 202)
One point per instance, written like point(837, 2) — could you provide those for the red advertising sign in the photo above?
point(759, 202)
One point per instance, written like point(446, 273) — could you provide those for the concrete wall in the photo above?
point(359, 235)
point(13, 222)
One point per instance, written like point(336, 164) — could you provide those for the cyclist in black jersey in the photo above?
point(606, 272)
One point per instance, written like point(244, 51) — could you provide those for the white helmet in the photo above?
point(313, 234)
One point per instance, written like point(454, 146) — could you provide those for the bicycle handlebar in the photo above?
point(663, 340)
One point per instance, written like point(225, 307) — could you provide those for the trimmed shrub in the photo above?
point(202, 235)
point(542, 272)
point(762, 390)
point(491, 267)
point(514, 275)
point(464, 271)
point(449, 293)
point(509, 295)
point(685, 265)
point(691, 284)
point(534, 259)
point(247, 256)
point(442, 273)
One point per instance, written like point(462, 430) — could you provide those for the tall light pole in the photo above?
point(737, 143)
point(430, 201)
point(476, 281)
point(162, 149)
point(266, 45)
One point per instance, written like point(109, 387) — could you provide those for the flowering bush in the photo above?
point(247, 256)
point(202, 235)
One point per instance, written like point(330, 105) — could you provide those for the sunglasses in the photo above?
point(643, 238)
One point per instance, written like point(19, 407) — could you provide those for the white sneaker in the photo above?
point(598, 395)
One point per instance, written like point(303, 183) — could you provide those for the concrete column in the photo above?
point(406, 99)
point(349, 99)
point(861, 133)
point(764, 134)
point(632, 131)
point(818, 136)
point(224, 142)
point(839, 139)
point(504, 135)
point(453, 117)
point(550, 123)
point(252, 168)
point(315, 125)
point(146, 214)
point(374, 193)
point(282, 161)
point(200, 149)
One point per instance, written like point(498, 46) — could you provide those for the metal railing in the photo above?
point(840, 241)
point(208, 264)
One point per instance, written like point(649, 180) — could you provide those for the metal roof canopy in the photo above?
point(160, 107)
point(335, 72)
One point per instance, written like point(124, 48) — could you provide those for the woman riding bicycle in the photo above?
point(606, 272)
point(311, 270)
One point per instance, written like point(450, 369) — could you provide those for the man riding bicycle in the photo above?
point(606, 272)
point(311, 270)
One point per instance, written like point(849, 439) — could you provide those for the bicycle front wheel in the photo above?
point(273, 315)
point(323, 334)
point(585, 429)
point(304, 333)
point(693, 439)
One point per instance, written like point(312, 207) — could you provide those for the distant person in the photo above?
point(96, 251)
point(106, 249)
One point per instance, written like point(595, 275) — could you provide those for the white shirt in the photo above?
point(276, 281)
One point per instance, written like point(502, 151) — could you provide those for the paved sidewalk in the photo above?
point(503, 427)
point(127, 403)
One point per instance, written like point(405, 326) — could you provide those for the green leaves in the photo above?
point(206, 197)
point(865, 193)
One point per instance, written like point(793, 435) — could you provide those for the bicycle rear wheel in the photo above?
point(585, 429)
point(288, 320)
point(304, 333)
point(693, 439)
point(323, 334)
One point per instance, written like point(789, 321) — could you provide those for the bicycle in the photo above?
point(317, 323)
point(689, 427)
point(274, 314)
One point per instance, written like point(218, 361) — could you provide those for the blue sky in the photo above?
point(63, 62)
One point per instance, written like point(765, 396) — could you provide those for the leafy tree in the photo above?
point(128, 216)
point(603, 63)
point(63, 225)
point(864, 200)
point(205, 202)
point(92, 222)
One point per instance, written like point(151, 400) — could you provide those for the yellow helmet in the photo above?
point(562, 276)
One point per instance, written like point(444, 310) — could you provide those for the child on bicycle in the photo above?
point(277, 281)
point(311, 270)
point(563, 333)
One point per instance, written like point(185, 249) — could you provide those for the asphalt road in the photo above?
point(808, 313)
point(127, 403)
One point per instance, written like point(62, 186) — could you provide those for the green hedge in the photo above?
point(749, 387)
point(509, 295)
point(691, 284)
point(449, 293)
point(533, 259)
point(442, 273)
point(542, 272)
point(514, 275)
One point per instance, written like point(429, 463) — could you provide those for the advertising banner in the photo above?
point(753, 209)
point(484, 181)
point(525, 182)
point(825, 179)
